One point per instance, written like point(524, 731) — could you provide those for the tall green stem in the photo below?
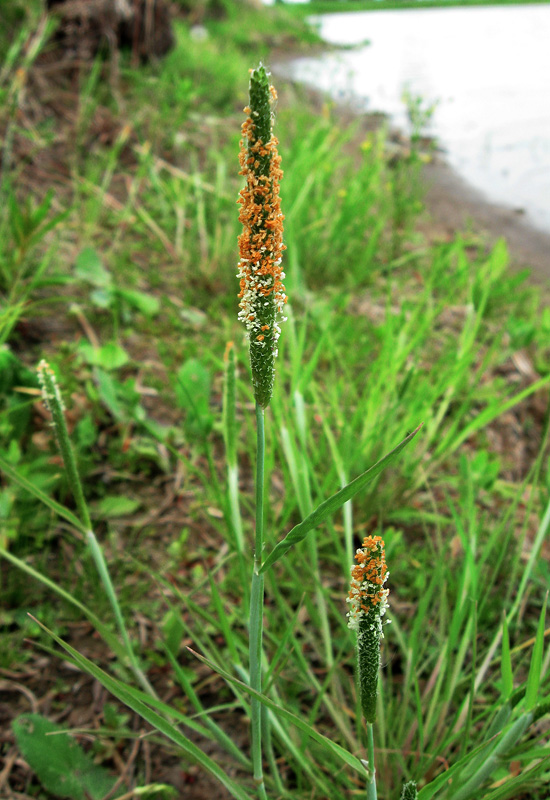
point(257, 609)
point(371, 780)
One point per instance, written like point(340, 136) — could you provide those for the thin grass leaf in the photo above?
point(229, 424)
point(500, 720)
point(467, 730)
point(102, 629)
point(339, 752)
point(430, 790)
point(506, 663)
point(533, 679)
point(229, 421)
point(500, 745)
point(103, 571)
point(510, 788)
point(328, 507)
point(533, 558)
point(534, 753)
point(218, 733)
point(488, 414)
point(284, 647)
point(56, 507)
point(131, 698)
point(166, 710)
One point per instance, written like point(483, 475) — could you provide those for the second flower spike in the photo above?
point(262, 294)
point(368, 601)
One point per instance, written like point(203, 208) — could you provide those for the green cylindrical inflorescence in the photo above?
point(262, 293)
point(52, 398)
point(368, 603)
point(368, 662)
point(410, 791)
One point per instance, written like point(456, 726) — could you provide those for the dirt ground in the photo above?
point(453, 205)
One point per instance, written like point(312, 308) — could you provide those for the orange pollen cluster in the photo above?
point(368, 576)
point(261, 242)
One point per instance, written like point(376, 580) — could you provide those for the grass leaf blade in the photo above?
point(510, 788)
point(107, 636)
point(159, 722)
point(341, 753)
point(533, 679)
point(15, 476)
point(328, 507)
point(506, 663)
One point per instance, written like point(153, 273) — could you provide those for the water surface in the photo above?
point(488, 68)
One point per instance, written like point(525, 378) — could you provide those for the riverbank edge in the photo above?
point(452, 205)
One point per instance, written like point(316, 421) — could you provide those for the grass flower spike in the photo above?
point(368, 600)
point(49, 388)
point(409, 791)
point(51, 396)
point(262, 294)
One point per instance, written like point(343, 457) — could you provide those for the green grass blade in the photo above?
point(21, 481)
point(430, 790)
point(218, 733)
point(229, 424)
point(229, 406)
point(506, 663)
point(533, 679)
point(533, 558)
point(339, 752)
point(510, 789)
point(328, 507)
point(500, 720)
point(102, 629)
point(475, 778)
point(167, 711)
point(130, 698)
point(491, 412)
point(103, 571)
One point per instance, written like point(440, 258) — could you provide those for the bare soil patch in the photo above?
point(454, 205)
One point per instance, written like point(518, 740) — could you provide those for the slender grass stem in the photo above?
point(101, 566)
point(257, 609)
point(371, 780)
point(52, 397)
